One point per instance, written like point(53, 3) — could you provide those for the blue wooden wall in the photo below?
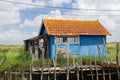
point(52, 52)
point(43, 30)
point(89, 43)
point(74, 48)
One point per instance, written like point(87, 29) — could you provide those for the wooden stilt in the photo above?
point(91, 71)
point(103, 73)
point(77, 71)
point(54, 61)
point(118, 72)
point(42, 63)
point(117, 61)
point(109, 71)
point(22, 75)
point(81, 63)
point(5, 75)
point(105, 50)
point(30, 75)
point(97, 77)
point(67, 65)
point(117, 51)
point(99, 53)
point(49, 70)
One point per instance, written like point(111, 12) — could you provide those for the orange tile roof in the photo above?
point(74, 27)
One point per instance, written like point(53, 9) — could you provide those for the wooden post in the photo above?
point(118, 72)
point(97, 77)
point(105, 49)
point(42, 64)
point(67, 55)
point(99, 53)
point(22, 74)
point(117, 51)
point(109, 72)
point(77, 71)
point(73, 59)
point(90, 63)
point(103, 70)
point(5, 75)
point(54, 61)
point(30, 75)
point(48, 70)
point(81, 63)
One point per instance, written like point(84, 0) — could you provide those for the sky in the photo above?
point(21, 19)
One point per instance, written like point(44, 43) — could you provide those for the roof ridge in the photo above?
point(70, 19)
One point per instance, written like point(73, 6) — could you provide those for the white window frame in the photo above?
point(71, 40)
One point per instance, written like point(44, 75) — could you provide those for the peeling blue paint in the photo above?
point(52, 47)
point(74, 49)
point(88, 45)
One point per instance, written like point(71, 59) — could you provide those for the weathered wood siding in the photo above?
point(91, 42)
point(82, 49)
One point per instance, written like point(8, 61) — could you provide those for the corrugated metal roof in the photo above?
point(74, 27)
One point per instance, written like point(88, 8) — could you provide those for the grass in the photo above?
point(111, 51)
point(17, 59)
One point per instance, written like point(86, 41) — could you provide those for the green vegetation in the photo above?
point(111, 51)
point(17, 59)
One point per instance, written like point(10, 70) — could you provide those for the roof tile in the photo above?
point(74, 27)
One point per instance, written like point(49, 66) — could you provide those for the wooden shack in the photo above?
point(68, 36)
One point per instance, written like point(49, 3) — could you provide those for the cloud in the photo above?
point(7, 16)
point(97, 4)
point(36, 22)
point(14, 36)
point(58, 2)
point(10, 12)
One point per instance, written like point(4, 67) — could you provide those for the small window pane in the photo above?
point(64, 39)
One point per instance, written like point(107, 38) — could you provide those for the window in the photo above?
point(67, 39)
point(64, 39)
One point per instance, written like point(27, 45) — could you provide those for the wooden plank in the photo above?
point(42, 63)
point(100, 74)
point(97, 77)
